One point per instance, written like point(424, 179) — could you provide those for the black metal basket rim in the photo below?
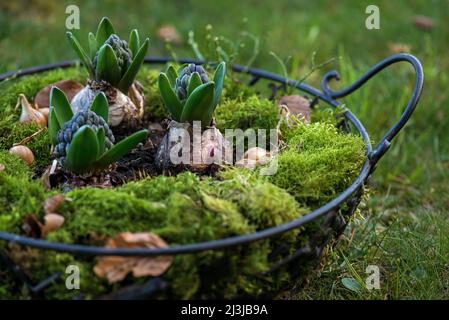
point(326, 95)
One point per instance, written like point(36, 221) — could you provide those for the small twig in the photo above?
point(29, 138)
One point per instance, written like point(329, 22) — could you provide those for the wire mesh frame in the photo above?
point(335, 218)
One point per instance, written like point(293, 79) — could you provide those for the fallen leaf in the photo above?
point(2, 167)
point(423, 22)
point(115, 269)
point(169, 33)
point(69, 87)
point(397, 47)
point(297, 105)
point(53, 203)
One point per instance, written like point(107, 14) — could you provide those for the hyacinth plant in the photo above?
point(112, 64)
point(83, 142)
point(190, 98)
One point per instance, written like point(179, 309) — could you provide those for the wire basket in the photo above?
point(331, 218)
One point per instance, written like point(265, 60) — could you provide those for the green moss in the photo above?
point(251, 112)
point(13, 166)
point(19, 196)
point(184, 213)
point(323, 114)
point(319, 163)
point(40, 144)
point(263, 204)
point(235, 89)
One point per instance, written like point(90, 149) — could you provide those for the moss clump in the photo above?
point(262, 203)
point(185, 212)
point(19, 196)
point(13, 167)
point(251, 112)
point(319, 163)
point(234, 89)
point(40, 144)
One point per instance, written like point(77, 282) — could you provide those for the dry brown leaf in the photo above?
point(115, 269)
point(169, 33)
point(297, 105)
point(53, 203)
point(2, 167)
point(423, 22)
point(69, 87)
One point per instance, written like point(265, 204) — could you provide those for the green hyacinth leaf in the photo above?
point(83, 151)
point(100, 106)
point(61, 105)
point(104, 31)
point(134, 42)
point(182, 67)
point(101, 138)
point(194, 82)
point(130, 74)
point(120, 149)
point(53, 126)
point(219, 76)
point(93, 46)
point(199, 105)
point(172, 74)
point(169, 97)
point(107, 66)
point(81, 53)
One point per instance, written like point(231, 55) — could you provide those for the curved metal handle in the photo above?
point(384, 144)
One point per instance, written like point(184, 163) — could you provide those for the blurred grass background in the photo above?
point(404, 229)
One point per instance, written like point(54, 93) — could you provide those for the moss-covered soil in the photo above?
point(316, 163)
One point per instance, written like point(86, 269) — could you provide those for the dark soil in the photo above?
point(134, 166)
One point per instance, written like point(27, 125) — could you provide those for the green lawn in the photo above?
point(403, 228)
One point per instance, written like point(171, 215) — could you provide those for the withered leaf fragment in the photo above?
point(115, 269)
